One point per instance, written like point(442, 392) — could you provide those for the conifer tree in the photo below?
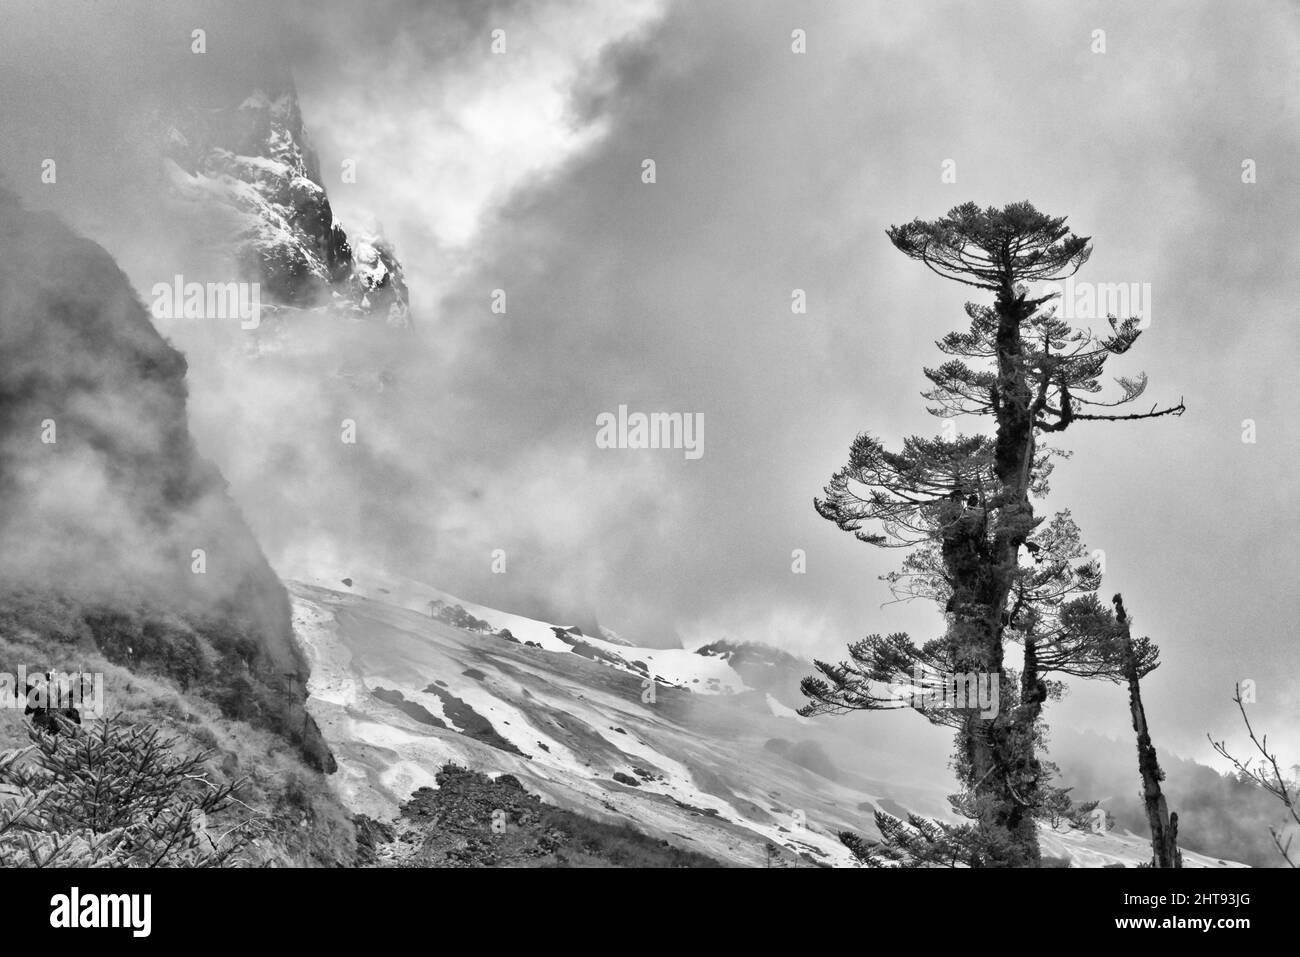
point(969, 497)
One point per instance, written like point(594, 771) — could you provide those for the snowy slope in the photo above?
point(668, 666)
point(563, 724)
point(398, 693)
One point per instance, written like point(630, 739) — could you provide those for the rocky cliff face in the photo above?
point(253, 164)
point(116, 533)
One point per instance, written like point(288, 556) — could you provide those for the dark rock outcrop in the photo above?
point(471, 820)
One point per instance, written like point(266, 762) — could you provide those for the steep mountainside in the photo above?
point(118, 535)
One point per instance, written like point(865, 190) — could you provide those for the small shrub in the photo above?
point(110, 795)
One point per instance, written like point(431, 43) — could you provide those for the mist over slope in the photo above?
point(118, 535)
point(1218, 814)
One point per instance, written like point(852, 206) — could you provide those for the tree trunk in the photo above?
point(1000, 768)
point(1164, 825)
point(998, 764)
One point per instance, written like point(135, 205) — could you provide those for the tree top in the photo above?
point(994, 248)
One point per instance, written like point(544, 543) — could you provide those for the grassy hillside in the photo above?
point(282, 813)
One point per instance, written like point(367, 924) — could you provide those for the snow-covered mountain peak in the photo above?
point(252, 165)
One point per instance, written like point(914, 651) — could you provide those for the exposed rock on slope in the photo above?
point(117, 533)
point(470, 820)
point(763, 667)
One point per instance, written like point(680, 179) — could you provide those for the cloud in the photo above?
point(776, 172)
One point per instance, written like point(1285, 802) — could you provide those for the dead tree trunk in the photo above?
point(1164, 825)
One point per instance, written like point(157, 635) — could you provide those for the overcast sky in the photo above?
point(775, 171)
